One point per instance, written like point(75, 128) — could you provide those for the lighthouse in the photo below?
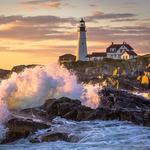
point(82, 45)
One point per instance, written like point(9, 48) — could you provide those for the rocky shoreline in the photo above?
point(114, 105)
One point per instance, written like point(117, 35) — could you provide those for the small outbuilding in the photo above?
point(67, 58)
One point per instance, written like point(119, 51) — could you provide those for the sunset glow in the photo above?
point(38, 31)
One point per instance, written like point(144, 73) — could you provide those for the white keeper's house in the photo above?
point(114, 51)
point(120, 51)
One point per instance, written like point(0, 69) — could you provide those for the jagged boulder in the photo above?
point(120, 99)
point(18, 128)
point(114, 105)
point(124, 106)
point(21, 68)
point(67, 108)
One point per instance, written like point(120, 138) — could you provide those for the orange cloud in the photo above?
point(97, 13)
point(51, 5)
point(10, 25)
point(41, 4)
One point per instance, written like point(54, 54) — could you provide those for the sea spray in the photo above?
point(32, 86)
point(143, 94)
point(4, 115)
point(90, 95)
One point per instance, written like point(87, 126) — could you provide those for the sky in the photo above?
point(39, 31)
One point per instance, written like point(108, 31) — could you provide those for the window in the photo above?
point(112, 49)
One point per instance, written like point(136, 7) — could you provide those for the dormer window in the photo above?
point(112, 49)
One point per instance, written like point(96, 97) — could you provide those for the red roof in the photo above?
point(67, 57)
point(97, 55)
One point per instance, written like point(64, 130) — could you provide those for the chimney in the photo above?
point(124, 42)
point(112, 43)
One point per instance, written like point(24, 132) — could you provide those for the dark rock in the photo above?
point(115, 105)
point(21, 128)
point(119, 99)
point(4, 73)
point(123, 106)
point(35, 112)
point(98, 72)
point(21, 68)
point(50, 137)
point(67, 108)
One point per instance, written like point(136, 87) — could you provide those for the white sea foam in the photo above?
point(92, 135)
point(32, 86)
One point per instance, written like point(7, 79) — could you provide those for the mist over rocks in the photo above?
point(5, 74)
point(115, 105)
point(31, 87)
point(43, 82)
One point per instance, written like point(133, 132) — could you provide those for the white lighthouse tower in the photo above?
point(82, 46)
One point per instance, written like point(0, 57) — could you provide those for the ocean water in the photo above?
point(93, 135)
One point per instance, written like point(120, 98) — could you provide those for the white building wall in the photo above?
point(114, 55)
point(82, 46)
point(96, 58)
point(118, 54)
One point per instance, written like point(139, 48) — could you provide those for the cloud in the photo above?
point(52, 27)
point(42, 4)
point(137, 36)
point(98, 15)
point(40, 28)
point(4, 48)
point(51, 5)
point(37, 20)
point(10, 26)
point(124, 20)
point(136, 33)
point(35, 2)
point(36, 28)
point(92, 5)
point(129, 4)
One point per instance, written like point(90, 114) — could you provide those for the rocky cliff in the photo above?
point(112, 73)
